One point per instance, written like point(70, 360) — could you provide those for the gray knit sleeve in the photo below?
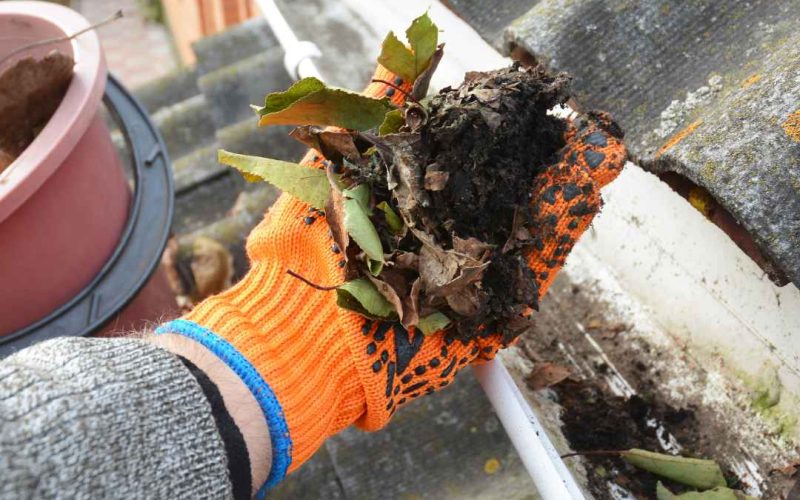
point(106, 418)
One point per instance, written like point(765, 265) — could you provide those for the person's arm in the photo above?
point(238, 400)
point(109, 418)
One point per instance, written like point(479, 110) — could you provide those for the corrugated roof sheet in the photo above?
point(707, 89)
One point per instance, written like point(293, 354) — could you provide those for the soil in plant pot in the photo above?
point(30, 92)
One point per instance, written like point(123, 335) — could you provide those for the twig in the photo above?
point(48, 41)
point(594, 453)
point(311, 283)
point(407, 94)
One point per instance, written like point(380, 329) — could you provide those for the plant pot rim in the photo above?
point(68, 124)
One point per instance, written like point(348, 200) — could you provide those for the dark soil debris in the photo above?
point(595, 421)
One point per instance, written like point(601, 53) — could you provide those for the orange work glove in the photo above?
point(316, 368)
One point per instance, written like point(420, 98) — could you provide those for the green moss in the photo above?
point(768, 399)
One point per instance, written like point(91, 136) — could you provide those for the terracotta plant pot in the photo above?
point(65, 201)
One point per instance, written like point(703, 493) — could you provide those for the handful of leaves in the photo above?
point(429, 203)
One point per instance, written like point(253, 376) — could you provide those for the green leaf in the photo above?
point(363, 297)
point(279, 101)
point(397, 58)
point(310, 102)
point(719, 493)
point(700, 473)
point(393, 220)
point(361, 194)
point(361, 229)
point(304, 183)
point(407, 62)
point(375, 267)
point(432, 323)
point(423, 36)
point(392, 122)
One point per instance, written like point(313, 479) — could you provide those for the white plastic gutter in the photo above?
point(544, 465)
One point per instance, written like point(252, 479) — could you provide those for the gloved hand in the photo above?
point(316, 368)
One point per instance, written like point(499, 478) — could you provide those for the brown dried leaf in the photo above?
point(305, 135)
point(490, 97)
point(468, 276)
point(423, 81)
point(473, 247)
point(333, 144)
point(468, 301)
point(334, 214)
point(436, 180)
point(405, 149)
point(212, 267)
point(547, 375)
point(493, 120)
point(437, 267)
point(406, 260)
point(389, 294)
point(30, 92)
point(415, 118)
point(411, 305)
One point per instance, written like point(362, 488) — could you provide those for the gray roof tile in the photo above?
point(729, 68)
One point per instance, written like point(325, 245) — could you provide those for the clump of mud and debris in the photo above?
point(478, 154)
point(460, 173)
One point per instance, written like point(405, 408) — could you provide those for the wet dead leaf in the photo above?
point(468, 275)
point(547, 375)
point(415, 118)
point(436, 180)
point(467, 301)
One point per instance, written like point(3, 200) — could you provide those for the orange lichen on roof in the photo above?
point(792, 126)
point(675, 139)
point(752, 79)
